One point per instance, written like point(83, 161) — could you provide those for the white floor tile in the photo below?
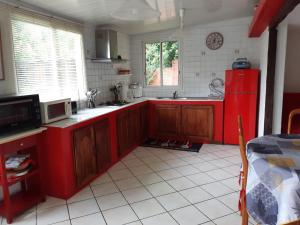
point(192, 160)
point(162, 219)
point(67, 222)
point(128, 183)
point(231, 200)
point(232, 219)
point(189, 216)
point(84, 194)
point(220, 163)
point(104, 189)
point(176, 162)
point(205, 166)
point(196, 194)
point(169, 174)
point(117, 166)
point(187, 170)
point(172, 201)
point(104, 178)
point(201, 178)
point(111, 201)
point(161, 188)
point(51, 202)
point(232, 183)
point(120, 174)
point(134, 163)
point(150, 178)
point(136, 194)
point(147, 208)
point(158, 166)
point(217, 189)
point(141, 170)
point(94, 219)
point(52, 215)
point(234, 159)
point(181, 183)
point(219, 174)
point(234, 169)
point(83, 208)
point(213, 208)
point(120, 215)
point(135, 223)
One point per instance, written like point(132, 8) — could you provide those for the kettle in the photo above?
point(136, 90)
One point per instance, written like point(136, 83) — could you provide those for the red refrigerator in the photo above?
point(241, 97)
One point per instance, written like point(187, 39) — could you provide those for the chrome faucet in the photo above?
point(175, 95)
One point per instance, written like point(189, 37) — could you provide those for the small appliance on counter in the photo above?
point(55, 110)
point(91, 98)
point(240, 64)
point(136, 90)
point(19, 113)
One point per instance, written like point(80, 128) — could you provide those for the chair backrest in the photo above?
point(243, 151)
point(292, 114)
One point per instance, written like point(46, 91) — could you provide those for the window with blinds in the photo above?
point(48, 59)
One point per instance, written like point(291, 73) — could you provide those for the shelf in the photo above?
point(116, 76)
point(21, 202)
point(21, 178)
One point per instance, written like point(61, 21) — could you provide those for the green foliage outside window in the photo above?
point(170, 53)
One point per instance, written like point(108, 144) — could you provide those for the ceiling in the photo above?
point(98, 12)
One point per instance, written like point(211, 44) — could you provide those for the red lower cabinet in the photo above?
point(31, 186)
point(75, 155)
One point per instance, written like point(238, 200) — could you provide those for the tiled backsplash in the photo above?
point(102, 76)
point(199, 64)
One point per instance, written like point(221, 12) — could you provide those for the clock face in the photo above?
point(214, 41)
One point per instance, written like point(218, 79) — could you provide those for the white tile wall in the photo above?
point(104, 75)
point(199, 64)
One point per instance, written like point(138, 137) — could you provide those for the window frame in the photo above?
point(180, 69)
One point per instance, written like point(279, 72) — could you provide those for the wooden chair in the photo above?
point(244, 173)
point(292, 114)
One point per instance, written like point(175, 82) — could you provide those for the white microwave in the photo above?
point(52, 111)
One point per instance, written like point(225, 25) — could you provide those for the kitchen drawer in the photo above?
point(19, 144)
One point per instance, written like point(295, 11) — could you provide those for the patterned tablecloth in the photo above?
point(273, 186)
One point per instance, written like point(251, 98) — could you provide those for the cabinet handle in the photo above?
point(21, 144)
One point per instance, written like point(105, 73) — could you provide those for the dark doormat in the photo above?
point(173, 145)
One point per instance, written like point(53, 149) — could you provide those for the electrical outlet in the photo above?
point(197, 74)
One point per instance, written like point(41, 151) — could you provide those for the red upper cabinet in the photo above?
point(241, 97)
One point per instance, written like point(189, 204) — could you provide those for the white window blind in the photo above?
point(48, 59)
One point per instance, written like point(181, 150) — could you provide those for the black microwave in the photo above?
point(19, 113)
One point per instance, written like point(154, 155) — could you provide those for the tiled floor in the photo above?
point(153, 187)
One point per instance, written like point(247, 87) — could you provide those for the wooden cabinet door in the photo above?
point(84, 154)
point(197, 122)
point(123, 132)
point(102, 140)
point(167, 119)
point(133, 126)
point(143, 123)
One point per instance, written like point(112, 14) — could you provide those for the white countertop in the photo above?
point(87, 114)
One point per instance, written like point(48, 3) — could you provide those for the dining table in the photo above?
point(273, 184)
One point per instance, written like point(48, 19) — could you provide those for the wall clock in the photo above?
point(214, 41)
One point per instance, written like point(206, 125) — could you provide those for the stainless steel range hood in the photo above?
point(107, 46)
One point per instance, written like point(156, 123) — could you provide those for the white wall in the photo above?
point(292, 73)
point(279, 76)
point(264, 47)
point(235, 34)
point(8, 86)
